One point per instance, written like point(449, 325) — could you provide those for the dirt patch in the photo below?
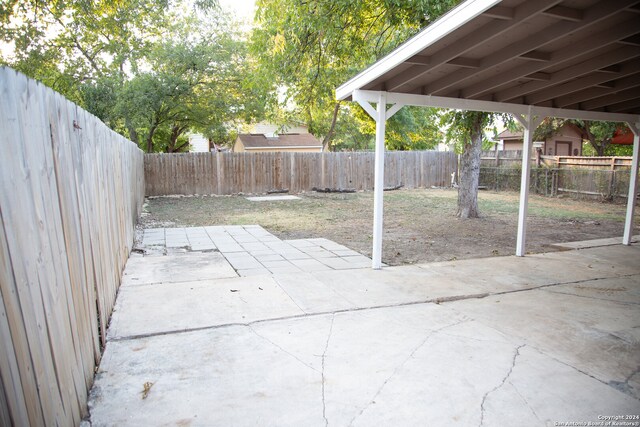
point(419, 225)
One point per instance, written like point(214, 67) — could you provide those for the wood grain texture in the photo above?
point(70, 193)
point(234, 173)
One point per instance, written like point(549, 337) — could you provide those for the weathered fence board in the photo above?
point(232, 173)
point(70, 192)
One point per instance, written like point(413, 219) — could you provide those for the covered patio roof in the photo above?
point(533, 59)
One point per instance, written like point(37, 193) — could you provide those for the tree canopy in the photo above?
point(311, 47)
point(149, 69)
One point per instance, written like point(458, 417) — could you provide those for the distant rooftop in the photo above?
point(253, 140)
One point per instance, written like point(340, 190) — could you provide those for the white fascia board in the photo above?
point(492, 106)
point(448, 23)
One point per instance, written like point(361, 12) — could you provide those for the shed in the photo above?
point(575, 59)
point(291, 142)
point(566, 141)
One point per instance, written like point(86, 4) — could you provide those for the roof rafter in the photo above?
point(595, 92)
point(593, 15)
point(576, 82)
point(536, 55)
point(579, 48)
point(500, 12)
point(566, 13)
point(623, 107)
point(602, 101)
point(488, 31)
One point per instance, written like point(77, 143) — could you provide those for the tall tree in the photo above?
point(150, 69)
point(311, 47)
point(63, 43)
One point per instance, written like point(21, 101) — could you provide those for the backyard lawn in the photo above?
point(419, 225)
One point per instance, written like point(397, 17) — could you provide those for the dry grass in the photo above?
point(420, 225)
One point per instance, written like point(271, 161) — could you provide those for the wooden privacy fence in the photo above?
point(232, 173)
point(599, 163)
point(71, 190)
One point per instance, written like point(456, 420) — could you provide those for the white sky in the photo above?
point(242, 9)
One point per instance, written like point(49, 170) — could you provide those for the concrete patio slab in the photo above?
point(581, 332)
point(176, 268)
point(538, 340)
point(413, 365)
point(583, 244)
point(163, 308)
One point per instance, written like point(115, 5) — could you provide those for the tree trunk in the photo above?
point(150, 139)
point(469, 174)
point(599, 147)
point(133, 134)
point(327, 139)
point(173, 139)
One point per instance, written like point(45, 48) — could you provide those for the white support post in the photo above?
point(633, 185)
point(380, 115)
point(378, 191)
point(529, 124)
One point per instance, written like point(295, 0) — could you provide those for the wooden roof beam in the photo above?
point(572, 75)
point(477, 105)
point(500, 12)
point(577, 84)
point(465, 62)
point(598, 91)
point(613, 69)
point(630, 105)
point(539, 76)
point(612, 99)
point(605, 85)
point(564, 13)
point(419, 60)
point(576, 49)
point(536, 55)
point(633, 40)
point(594, 14)
point(482, 35)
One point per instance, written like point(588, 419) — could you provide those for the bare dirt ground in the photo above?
point(419, 225)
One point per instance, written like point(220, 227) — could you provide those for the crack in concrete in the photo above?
point(593, 297)
point(526, 402)
point(506, 377)
point(324, 355)
point(625, 391)
point(401, 365)
point(282, 349)
point(287, 294)
point(356, 309)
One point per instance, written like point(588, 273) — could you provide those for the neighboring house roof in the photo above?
point(622, 136)
point(507, 134)
point(289, 140)
point(562, 131)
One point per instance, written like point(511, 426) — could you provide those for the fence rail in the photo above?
point(232, 173)
point(612, 163)
point(70, 193)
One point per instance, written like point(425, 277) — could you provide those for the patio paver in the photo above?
point(250, 248)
